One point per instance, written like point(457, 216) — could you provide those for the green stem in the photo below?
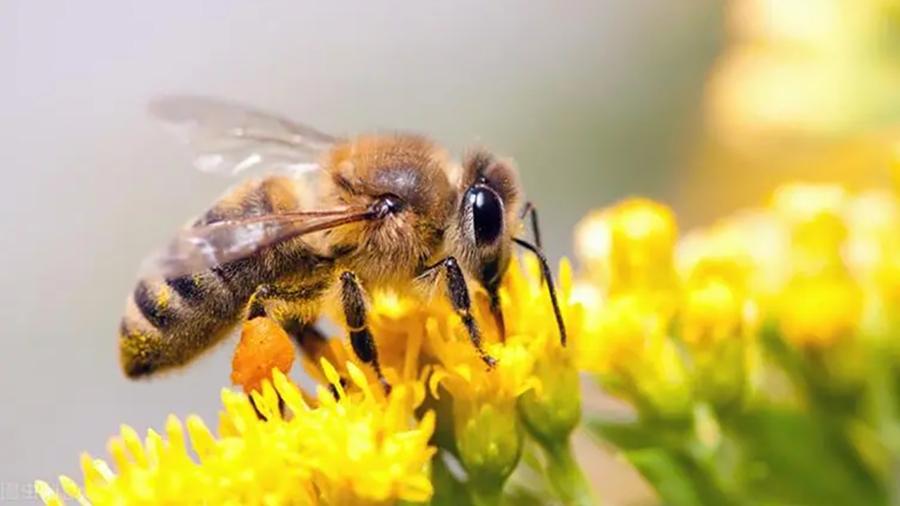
point(486, 497)
point(566, 476)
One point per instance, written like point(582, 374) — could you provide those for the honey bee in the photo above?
point(337, 219)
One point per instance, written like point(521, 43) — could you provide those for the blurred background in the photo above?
point(595, 100)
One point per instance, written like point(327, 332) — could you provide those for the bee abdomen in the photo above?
point(187, 288)
point(154, 305)
point(167, 323)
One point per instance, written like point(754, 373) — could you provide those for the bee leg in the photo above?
point(293, 293)
point(551, 290)
point(530, 211)
point(311, 342)
point(308, 339)
point(256, 308)
point(458, 293)
point(259, 414)
point(354, 304)
point(497, 311)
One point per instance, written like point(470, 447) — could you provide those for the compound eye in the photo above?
point(487, 214)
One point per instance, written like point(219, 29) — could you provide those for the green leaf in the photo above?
point(665, 459)
point(644, 433)
point(797, 458)
point(670, 478)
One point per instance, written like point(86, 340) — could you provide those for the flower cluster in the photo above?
point(775, 319)
point(353, 443)
point(760, 357)
point(264, 456)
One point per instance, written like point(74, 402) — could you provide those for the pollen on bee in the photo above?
point(264, 346)
point(163, 297)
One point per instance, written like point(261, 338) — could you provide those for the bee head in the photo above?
point(403, 178)
point(490, 195)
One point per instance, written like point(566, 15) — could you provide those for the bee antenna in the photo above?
point(551, 289)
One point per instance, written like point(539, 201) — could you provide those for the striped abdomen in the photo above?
point(168, 322)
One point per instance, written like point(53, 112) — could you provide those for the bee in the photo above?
point(334, 219)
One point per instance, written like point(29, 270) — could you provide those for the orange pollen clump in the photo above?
point(264, 346)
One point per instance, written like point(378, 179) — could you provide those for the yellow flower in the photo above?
point(352, 449)
point(352, 443)
point(873, 248)
point(550, 412)
point(715, 300)
point(486, 420)
point(819, 312)
point(486, 428)
point(821, 303)
point(635, 358)
point(718, 315)
point(814, 215)
point(631, 244)
point(626, 326)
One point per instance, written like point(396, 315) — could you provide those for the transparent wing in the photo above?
point(228, 138)
point(203, 247)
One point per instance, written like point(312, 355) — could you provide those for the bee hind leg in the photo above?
point(263, 346)
point(309, 339)
point(458, 293)
point(354, 305)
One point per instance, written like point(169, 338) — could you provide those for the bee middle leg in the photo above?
point(458, 293)
point(354, 304)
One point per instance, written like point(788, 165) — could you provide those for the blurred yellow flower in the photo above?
point(818, 312)
point(815, 66)
point(626, 338)
point(629, 247)
point(820, 303)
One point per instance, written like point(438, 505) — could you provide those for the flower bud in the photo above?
point(629, 246)
point(814, 215)
point(643, 235)
point(636, 359)
point(489, 441)
point(550, 413)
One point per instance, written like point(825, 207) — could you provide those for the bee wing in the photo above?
point(228, 138)
point(203, 247)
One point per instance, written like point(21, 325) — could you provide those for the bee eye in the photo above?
point(487, 214)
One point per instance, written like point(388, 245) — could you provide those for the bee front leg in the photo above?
point(458, 293)
point(354, 304)
point(530, 211)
